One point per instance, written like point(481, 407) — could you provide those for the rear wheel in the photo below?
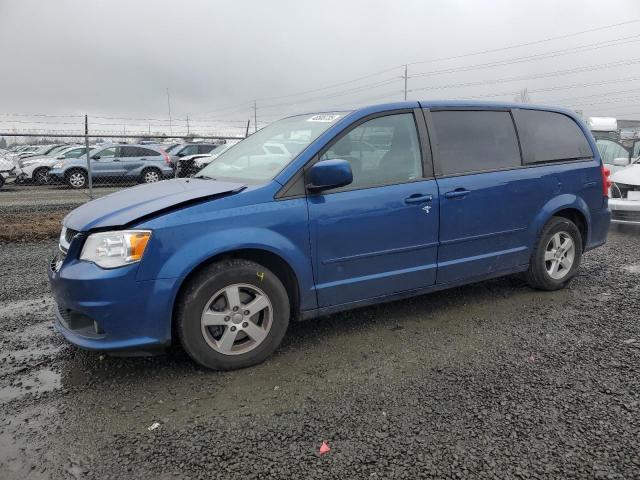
point(151, 175)
point(41, 176)
point(557, 255)
point(232, 315)
point(77, 178)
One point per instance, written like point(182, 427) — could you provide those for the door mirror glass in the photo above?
point(621, 162)
point(328, 174)
point(96, 157)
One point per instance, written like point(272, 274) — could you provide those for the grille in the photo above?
point(625, 215)
point(69, 234)
point(620, 190)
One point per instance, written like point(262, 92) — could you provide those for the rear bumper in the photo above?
point(110, 310)
point(599, 228)
point(625, 211)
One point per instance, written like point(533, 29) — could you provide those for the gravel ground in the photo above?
point(491, 380)
point(35, 196)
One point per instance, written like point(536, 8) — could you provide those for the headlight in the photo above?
point(58, 165)
point(115, 249)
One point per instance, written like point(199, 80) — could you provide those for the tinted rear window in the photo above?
point(550, 136)
point(475, 141)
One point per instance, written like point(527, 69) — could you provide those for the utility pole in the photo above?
point(246, 133)
point(255, 116)
point(405, 82)
point(86, 146)
point(169, 105)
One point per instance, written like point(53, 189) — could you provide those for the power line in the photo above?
point(526, 44)
point(539, 56)
point(532, 76)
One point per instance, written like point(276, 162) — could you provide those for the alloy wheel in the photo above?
point(559, 255)
point(236, 319)
point(76, 180)
point(151, 176)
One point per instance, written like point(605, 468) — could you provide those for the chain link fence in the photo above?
point(41, 182)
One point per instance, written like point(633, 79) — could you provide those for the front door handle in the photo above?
point(457, 193)
point(418, 198)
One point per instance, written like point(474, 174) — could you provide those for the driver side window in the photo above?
point(382, 150)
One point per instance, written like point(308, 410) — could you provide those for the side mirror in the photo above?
point(60, 157)
point(621, 162)
point(181, 154)
point(96, 157)
point(328, 174)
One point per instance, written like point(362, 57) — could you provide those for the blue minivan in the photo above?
point(324, 212)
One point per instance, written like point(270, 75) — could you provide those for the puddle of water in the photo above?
point(635, 268)
point(44, 380)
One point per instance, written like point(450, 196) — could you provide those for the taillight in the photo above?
point(167, 159)
point(606, 182)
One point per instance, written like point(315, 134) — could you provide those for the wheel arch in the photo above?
point(74, 168)
point(571, 207)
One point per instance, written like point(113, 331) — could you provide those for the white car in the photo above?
point(36, 169)
point(624, 200)
point(6, 170)
point(192, 164)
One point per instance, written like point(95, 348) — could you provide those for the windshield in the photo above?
point(265, 153)
point(172, 148)
point(57, 149)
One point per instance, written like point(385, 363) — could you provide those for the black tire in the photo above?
point(203, 287)
point(146, 175)
point(73, 178)
point(1, 181)
point(41, 176)
point(537, 276)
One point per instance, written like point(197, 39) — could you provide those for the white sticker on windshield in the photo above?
point(323, 118)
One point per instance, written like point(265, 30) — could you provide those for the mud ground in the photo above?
point(492, 380)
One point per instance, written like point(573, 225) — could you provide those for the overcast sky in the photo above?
point(117, 58)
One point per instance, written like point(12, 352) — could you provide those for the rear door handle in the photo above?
point(418, 198)
point(457, 193)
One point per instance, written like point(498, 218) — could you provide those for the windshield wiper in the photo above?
point(204, 177)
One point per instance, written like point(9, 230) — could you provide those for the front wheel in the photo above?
point(233, 314)
point(557, 255)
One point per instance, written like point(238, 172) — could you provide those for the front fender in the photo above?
point(184, 261)
point(561, 202)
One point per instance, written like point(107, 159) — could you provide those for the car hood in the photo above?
point(194, 156)
point(629, 175)
point(123, 207)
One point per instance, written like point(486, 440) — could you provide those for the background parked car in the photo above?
point(6, 168)
point(36, 169)
point(187, 149)
point(187, 165)
point(625, 194)
point(115, 163)
point(40, 151)
point(195, 163)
